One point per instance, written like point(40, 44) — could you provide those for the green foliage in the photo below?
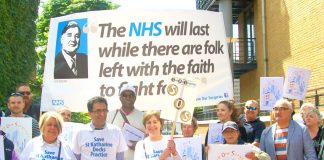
point(17, 44)
point(57, 8)
point(81, 117)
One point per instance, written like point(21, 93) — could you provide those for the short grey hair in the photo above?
point(319, 115)
point(284, 102)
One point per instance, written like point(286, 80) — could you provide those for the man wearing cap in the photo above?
point(127, 114)
point(287, 139)
point(251, 122)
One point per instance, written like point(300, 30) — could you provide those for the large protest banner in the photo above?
point(146, 49)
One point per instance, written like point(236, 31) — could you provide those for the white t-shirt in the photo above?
point(38, 149)
point(151, 150)
point(99, 144)
point(134, 118)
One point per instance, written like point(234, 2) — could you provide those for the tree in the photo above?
point(57, 8)
point(17, 44)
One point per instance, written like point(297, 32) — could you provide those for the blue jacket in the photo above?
point(299, 144)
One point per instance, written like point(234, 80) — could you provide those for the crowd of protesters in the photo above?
point(102, 138)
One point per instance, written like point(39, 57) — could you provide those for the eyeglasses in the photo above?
point(280, 108)
point(100, 111)
point(128, 95)
point(253, 108)
point(25, 93)
point(16, 94)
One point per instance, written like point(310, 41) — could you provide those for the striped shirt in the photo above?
point(281, 137)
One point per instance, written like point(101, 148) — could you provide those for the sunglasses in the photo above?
point(25, 93)
point(16, 94)
point(253, 108)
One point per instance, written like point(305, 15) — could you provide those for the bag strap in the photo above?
point(112, 122)
point(124, 117)
point(144, 149)
point(59, 153)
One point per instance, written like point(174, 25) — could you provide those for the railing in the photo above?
point(210, 112)
point(243, 50)
point(315, 96)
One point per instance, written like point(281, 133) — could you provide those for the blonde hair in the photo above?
point(47, 116)
point(151, 113)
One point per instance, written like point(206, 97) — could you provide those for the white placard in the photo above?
point(296, 82)
point(69, 129)
point(271, 90)
point(182, 94)
point(145, 49)
point(131, 133)
point(189, 148)
point(18, 130)
point(228, 152)
point(215, 133)
point(2, 155)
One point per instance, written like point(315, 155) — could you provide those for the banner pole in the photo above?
point(174, 124)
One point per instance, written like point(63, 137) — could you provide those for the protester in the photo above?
point(251, 122)
point(99, 140)
point(31, 108)
point(305, 108)
point(155, 146)
point(65, 112)
point(16, 106)
point(231, 135)
point(188, 130)
point(313, 121)
point(287, 139)
point(226, 111)
point(9, 148)
point(48, 145)
point(127, 114)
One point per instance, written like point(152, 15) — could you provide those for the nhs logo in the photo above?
point(57, 102)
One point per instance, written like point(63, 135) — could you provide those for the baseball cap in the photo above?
point(230, 124)
point(127, 88)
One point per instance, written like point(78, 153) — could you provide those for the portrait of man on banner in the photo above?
point(71, 59)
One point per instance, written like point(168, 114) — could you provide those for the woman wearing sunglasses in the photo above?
point(251, 122)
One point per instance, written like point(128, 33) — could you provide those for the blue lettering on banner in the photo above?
point(205, 98)
point(140, 28)
point(58, 102)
